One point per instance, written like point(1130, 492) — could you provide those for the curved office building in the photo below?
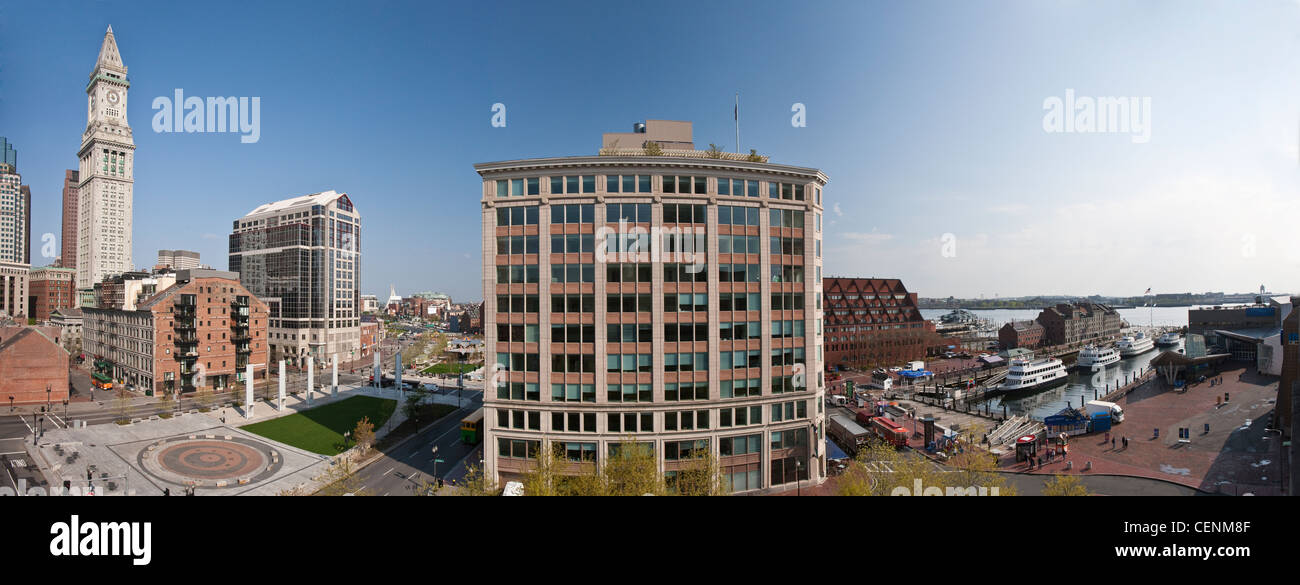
point(672, 299)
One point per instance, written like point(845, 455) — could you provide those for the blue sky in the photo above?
point(927, 116)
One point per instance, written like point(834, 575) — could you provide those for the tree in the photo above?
point(1065, 485)
point(475, 483)
point(364, 434)
point(543, 475)
point(976, 467)
point(633, 470)
point(754, 156)
point(339, 479)
point(413, 406)
point(862, 478)
point(166, 402)
point(204, 397)
point(714, 151)
point(122, 406)
point(653, 149)
point(700, 475)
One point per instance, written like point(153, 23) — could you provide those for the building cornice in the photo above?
point(660, 162)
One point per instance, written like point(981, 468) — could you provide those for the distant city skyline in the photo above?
point(929, 119)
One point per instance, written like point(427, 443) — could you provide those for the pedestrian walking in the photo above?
point(1112, 443)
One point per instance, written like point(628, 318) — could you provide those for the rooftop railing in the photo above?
point(674, 153)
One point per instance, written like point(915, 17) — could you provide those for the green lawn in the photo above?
point(320, 430)
point(448, 368)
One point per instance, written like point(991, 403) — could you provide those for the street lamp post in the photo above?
point(47, 397)
point(435, 463)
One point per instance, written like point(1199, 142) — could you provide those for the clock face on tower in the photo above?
point(114, 97)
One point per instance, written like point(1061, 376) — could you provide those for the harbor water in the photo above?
point(1082, 387)
point(1138, 317)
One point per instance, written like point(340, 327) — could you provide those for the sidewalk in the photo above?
point(113, 449)
point(1236, 456)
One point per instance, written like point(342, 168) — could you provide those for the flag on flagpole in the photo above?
point(1148, 291)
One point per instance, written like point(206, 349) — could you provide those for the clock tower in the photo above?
point(107, 164)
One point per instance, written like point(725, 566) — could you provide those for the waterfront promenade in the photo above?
point(1236, 456)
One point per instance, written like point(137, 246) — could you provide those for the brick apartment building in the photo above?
point(1020, 334)
point(49, 289)
point(874, 322)
point(199, 332)
point(1079, 322)
point(33, 366)
point(369, 336)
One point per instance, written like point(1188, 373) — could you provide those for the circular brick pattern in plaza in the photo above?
point(212, 461)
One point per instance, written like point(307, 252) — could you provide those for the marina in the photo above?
point(1080, 387)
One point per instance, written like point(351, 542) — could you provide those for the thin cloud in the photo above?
point(871, 237)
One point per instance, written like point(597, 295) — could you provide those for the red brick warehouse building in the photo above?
point(200, 332)
point(33, 367)
point(874, 322)
point(50, 289)
point(1026, 334)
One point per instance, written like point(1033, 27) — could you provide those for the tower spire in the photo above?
point(108, 55)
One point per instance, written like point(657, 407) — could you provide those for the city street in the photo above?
point(401, 472)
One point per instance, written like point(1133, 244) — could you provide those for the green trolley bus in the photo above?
point(471, 428)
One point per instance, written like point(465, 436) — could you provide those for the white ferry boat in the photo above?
point(1170, 338)
point(1095, 358)
point(1025, 376)
point(1136, 344)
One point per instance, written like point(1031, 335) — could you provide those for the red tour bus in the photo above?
point(890, 431)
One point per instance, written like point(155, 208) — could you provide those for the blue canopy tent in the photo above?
point(834, 452)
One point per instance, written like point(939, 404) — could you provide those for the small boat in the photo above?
point(1029, 376)
point(1170, 338)
point(1135, 344)
point(1093, 358)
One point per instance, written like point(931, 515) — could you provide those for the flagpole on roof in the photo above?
point(737, 116)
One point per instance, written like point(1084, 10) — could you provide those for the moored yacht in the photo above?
point(1026, 376)
point(1095, 358)
point(1170, 338)
point(1133, 345)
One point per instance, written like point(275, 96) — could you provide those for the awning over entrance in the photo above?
point(1171, 364)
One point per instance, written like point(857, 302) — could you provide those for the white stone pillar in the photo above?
point(377, 374)
point(311, 377)
point(280, 406)
point(397, 374)
point(248, 391)
point(334, 387)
